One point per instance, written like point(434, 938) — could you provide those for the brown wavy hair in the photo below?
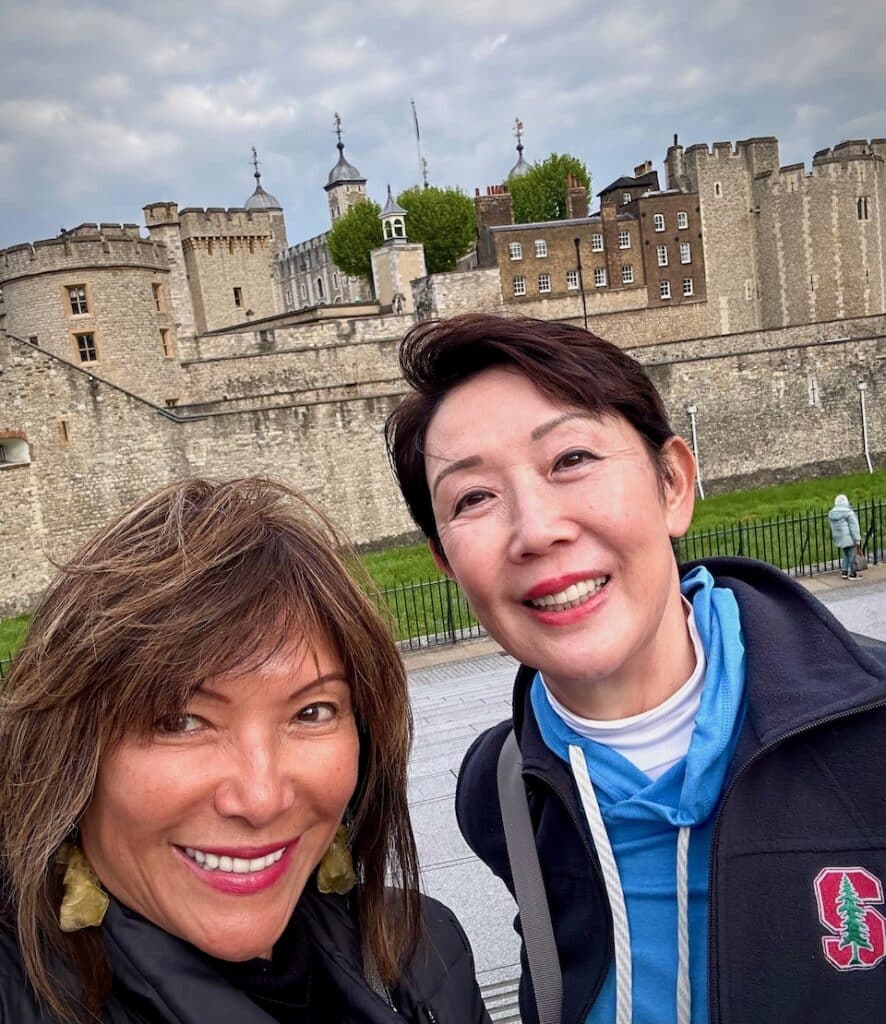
point(192, 582)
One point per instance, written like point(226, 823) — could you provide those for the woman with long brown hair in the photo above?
point(203, 748)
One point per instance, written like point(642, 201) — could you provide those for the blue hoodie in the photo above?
point(643, 818)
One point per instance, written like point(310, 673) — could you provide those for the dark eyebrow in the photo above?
point(453, 467)
point(222, 698)
point(539, 432)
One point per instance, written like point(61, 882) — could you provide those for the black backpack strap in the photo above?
point(535, 915)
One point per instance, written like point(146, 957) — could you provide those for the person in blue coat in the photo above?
point(846, 535)
point(701, 744)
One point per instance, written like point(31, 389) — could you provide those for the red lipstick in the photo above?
point(234, 883)
point(558, 583)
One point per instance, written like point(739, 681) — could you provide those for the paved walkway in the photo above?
point(457, 692)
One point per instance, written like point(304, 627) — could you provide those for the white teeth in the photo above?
point(573, 595)
point(233, 865)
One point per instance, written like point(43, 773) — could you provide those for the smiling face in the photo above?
point(557, 527)
point(210, 827)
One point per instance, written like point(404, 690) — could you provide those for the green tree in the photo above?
point(853, 927)
point(354, 236)
point(540, 194)
point(442, 219)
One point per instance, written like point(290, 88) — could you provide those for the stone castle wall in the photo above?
point(470, 291)
point(771, 406)
point(114, 449)
point(343, 364)
point(782, 414)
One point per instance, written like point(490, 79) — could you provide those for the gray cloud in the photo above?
point(109, 105)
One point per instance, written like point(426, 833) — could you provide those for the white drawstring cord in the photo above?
point(612, 881)
point(684, 991)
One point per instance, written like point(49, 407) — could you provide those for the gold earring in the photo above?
point(336, 872)
point(84, 902)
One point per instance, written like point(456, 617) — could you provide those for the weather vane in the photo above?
point(254, 163)
point(337, 129)
point(518, 130)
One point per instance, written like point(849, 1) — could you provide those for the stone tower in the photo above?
point(723, 177)
point(398, 262)
point(99, 297)
point(345, 185)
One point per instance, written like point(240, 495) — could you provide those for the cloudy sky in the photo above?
point(107, 106)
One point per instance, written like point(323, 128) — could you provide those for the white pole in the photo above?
point(862, 387)
point(692, 410)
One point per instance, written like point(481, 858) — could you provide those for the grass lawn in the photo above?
point(786, 499)
point(414, 564)
point(12, 632)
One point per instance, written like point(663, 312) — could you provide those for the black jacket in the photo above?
point(159, 979)
point(804, 803)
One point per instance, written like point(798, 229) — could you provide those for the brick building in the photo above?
point(642, 240)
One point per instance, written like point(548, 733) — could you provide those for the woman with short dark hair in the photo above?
point(711, 847)
point(203, 755)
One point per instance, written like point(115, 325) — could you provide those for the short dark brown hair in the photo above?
point(566, 363)
point(194, 581)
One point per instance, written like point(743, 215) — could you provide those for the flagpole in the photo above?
point(422, 163)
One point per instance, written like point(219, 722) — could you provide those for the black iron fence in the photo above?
point(434, 611)
point(429, 612)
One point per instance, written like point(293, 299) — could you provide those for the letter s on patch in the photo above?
point(857, 939)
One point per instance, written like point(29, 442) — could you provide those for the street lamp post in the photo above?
point(581, 282)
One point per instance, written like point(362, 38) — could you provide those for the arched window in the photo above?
point(320, 287)
point(14, 449)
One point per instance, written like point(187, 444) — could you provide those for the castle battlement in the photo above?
point(217, 222)
point(309, 245)
point(846, 162)
point(86, 247)
point(851, 150)
point(160, 214)
point(729, 150)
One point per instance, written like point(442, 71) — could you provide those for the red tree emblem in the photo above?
point(858, 932)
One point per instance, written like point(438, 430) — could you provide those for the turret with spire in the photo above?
point(393, 221)
point(520, 167)
point(345, 184)
point(263, 201)
point(260, 199)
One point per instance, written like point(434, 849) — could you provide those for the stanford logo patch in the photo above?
point(846, 899)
